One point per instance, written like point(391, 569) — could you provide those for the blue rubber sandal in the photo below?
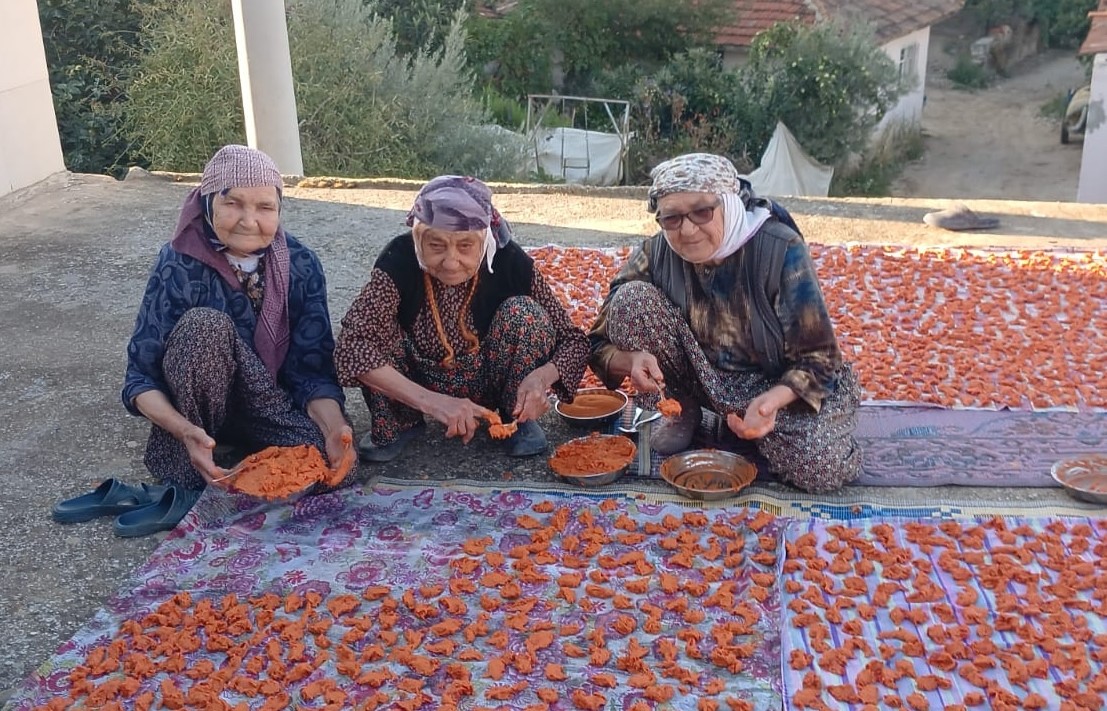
point(111, 498)
point(161, 516)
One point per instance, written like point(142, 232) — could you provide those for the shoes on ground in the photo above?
point(528, 440)
point(370, 452)
point(163, 515)
point(111, 498)
point(674, 434)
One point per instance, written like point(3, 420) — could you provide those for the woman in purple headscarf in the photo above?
point(455, 322)
point(233, 338)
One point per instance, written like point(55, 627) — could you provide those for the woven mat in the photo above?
point(928, 616)
point(930, 446)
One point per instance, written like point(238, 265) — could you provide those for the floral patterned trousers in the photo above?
point(218, 382)
point(813, 451)
point(520, 339)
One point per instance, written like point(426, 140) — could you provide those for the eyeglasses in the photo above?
point(699, 216)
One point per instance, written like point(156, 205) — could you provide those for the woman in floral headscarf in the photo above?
point(233, 338)
point(456, 322)
point(723, 308)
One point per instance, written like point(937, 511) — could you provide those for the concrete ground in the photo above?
point(74, 256)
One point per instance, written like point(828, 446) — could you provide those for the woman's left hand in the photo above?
point(531, 401)
point(337, 445)
point(760, 417)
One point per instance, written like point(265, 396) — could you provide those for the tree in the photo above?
point(829, 83)
point(564, 44)
point(90, 53)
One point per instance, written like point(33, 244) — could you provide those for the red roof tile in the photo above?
point(890, 18)
point(1096, 41)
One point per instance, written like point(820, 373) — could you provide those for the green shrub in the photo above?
point(882, 162)
point(364, 108)
point(1063, 23)
point(967, 74)
point(830, 84)
point(90, 54)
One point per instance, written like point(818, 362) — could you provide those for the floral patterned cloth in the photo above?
point(349, 540)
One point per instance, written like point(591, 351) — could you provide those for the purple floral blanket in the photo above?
point(436, 597)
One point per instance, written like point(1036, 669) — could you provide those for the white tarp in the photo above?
point(786, 169)
point(579, 156)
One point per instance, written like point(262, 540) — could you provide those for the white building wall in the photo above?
point(909, 109)
point(1093, 164)
point(30, 149)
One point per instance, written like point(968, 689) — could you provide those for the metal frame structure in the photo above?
point(539, 106)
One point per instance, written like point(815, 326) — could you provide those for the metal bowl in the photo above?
point(1083, 477)
point(593, 417)
point(598, 478)
point(708, 474)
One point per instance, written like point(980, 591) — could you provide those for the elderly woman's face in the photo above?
point(679, 213)
point(246, 219)
point(450, 257)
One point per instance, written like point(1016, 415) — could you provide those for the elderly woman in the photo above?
point(233, 338)
point(723, 309)
point(457, 323)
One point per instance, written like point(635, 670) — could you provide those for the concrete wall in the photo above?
point(910, 106)
point(1093, 164)
point(30, 149)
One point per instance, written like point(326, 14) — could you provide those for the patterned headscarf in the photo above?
point(236, 166)
point(709, 173)
point(241, 167)
point(455, 203)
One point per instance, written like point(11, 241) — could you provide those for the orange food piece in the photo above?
point(587, 702)
point(669, 407)
point(594, 454)
point(345, 464)
point(279, 472)
point(496, 427)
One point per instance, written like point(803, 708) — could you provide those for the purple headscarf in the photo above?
point(242, 167)
point(455, 203)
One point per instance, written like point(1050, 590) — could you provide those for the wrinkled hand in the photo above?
point(645, 373)
point(531, 401)
point(339, 443)
point(460, 415)
point(759, 419)
point(200, 446)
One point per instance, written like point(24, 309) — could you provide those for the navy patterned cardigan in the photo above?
point(179, 282)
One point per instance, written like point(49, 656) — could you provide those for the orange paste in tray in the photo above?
point(279, 472)
point(1087, 474)
point(592, 405)
point(595, 454)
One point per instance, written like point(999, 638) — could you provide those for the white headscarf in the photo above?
point(709, 173)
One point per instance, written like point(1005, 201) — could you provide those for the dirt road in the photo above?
point(995, 143)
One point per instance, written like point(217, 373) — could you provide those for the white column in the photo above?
point(1093, 163)
point(265, 70)
point(30, 149)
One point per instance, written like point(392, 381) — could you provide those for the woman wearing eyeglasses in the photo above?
point(723, 309)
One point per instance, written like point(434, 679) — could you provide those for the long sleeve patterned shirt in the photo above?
point(720, 311)
point(179, 282)
point(371, 333)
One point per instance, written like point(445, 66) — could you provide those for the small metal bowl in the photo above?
point(1083, 477)
point(599, 478)
point(708, 474)
point(592, 420)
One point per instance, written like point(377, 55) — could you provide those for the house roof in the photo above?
point(890, 18)
point(1096, 41)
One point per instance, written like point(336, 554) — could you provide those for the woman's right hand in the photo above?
point(645, 373)
point(200, 446)
point(460, 415)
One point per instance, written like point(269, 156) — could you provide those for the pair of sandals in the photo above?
point(140, 510)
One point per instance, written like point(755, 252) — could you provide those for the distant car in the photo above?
point(1076, 114)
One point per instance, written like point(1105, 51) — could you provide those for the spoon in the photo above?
point(638, 420)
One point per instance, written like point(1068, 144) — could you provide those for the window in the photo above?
point(908, 61)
